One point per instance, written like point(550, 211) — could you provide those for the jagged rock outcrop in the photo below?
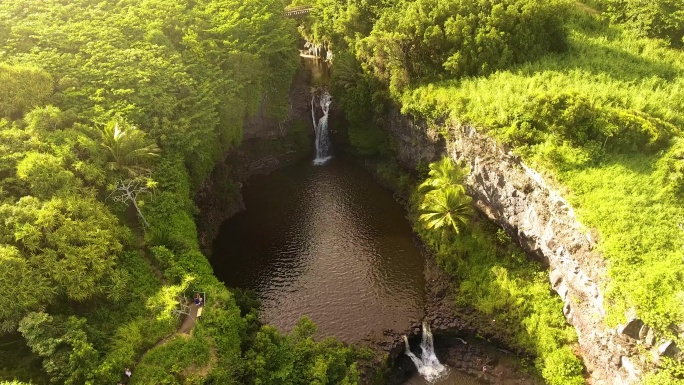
point(519, 200)
point(415, 143)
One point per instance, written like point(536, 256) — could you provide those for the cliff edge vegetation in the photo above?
point(589, 94)
point(111, 116)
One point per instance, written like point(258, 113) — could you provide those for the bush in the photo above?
point(129, 341)
point(175, 362)
point(22, 88)
point(670, 168)
point(426, 39)
point(298, 359)
point(562, 367)
point(635, 131)
point(662, 19)
point(368, 139)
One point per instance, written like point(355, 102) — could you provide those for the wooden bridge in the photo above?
point(300, 10)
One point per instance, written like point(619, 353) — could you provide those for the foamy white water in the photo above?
point(322, 131)
point(428, 364)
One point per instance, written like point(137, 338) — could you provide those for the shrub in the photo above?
point(660, 19)
point(174, 362)
point(635, 131)
point(562, 367)
point(670, 168)
point(22, 88)
point(423, 40)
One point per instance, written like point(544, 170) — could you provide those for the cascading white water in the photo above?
point(322, 134)
point(428, 365)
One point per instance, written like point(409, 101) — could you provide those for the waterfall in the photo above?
point(322, 134)
point(428, 365)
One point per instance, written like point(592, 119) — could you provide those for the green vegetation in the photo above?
point(429, 39)
point(180, 360)
point(592, 99)
point(657, 19)
point(498, 280)
point(298, 359)
point(111, 115)
point(445, 204)
point(608, 136)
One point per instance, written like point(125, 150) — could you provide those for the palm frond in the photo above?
point(446, 207)
point(443, 173)
point(128, 148)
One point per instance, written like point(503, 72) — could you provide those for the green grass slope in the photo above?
point(603, 120)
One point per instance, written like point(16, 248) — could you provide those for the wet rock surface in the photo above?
point(481, 364)
point(467, 355)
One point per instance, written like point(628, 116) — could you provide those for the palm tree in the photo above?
point(129, 149)
point(443, 174)
point(447, 207)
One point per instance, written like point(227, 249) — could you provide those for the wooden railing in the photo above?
point(299, 10)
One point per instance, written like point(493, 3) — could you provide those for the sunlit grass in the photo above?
point(620, 195)
point(639, 235)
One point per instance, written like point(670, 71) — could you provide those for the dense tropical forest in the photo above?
point(112, 114)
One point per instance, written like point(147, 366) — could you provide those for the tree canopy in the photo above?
point(97, 96)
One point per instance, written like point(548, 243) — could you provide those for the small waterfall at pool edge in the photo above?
point(428, 365)
point(321, 126)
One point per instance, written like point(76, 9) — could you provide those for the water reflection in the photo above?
point(327, 242)
point(454, 378)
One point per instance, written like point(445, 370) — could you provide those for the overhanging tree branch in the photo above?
point(127, 191)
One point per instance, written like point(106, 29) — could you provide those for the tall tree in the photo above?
point(129, 149)
point(447, 207)
point(65, 248)
point(67, 355)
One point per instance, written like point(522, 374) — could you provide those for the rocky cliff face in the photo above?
point(519, 200)
point(267, 145)
point(415, 143)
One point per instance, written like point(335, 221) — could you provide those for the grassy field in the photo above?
point(599, 121)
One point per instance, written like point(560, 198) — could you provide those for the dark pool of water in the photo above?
point(453, 378)
point(327, 242)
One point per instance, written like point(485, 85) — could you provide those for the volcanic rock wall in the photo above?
point(519, 200)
